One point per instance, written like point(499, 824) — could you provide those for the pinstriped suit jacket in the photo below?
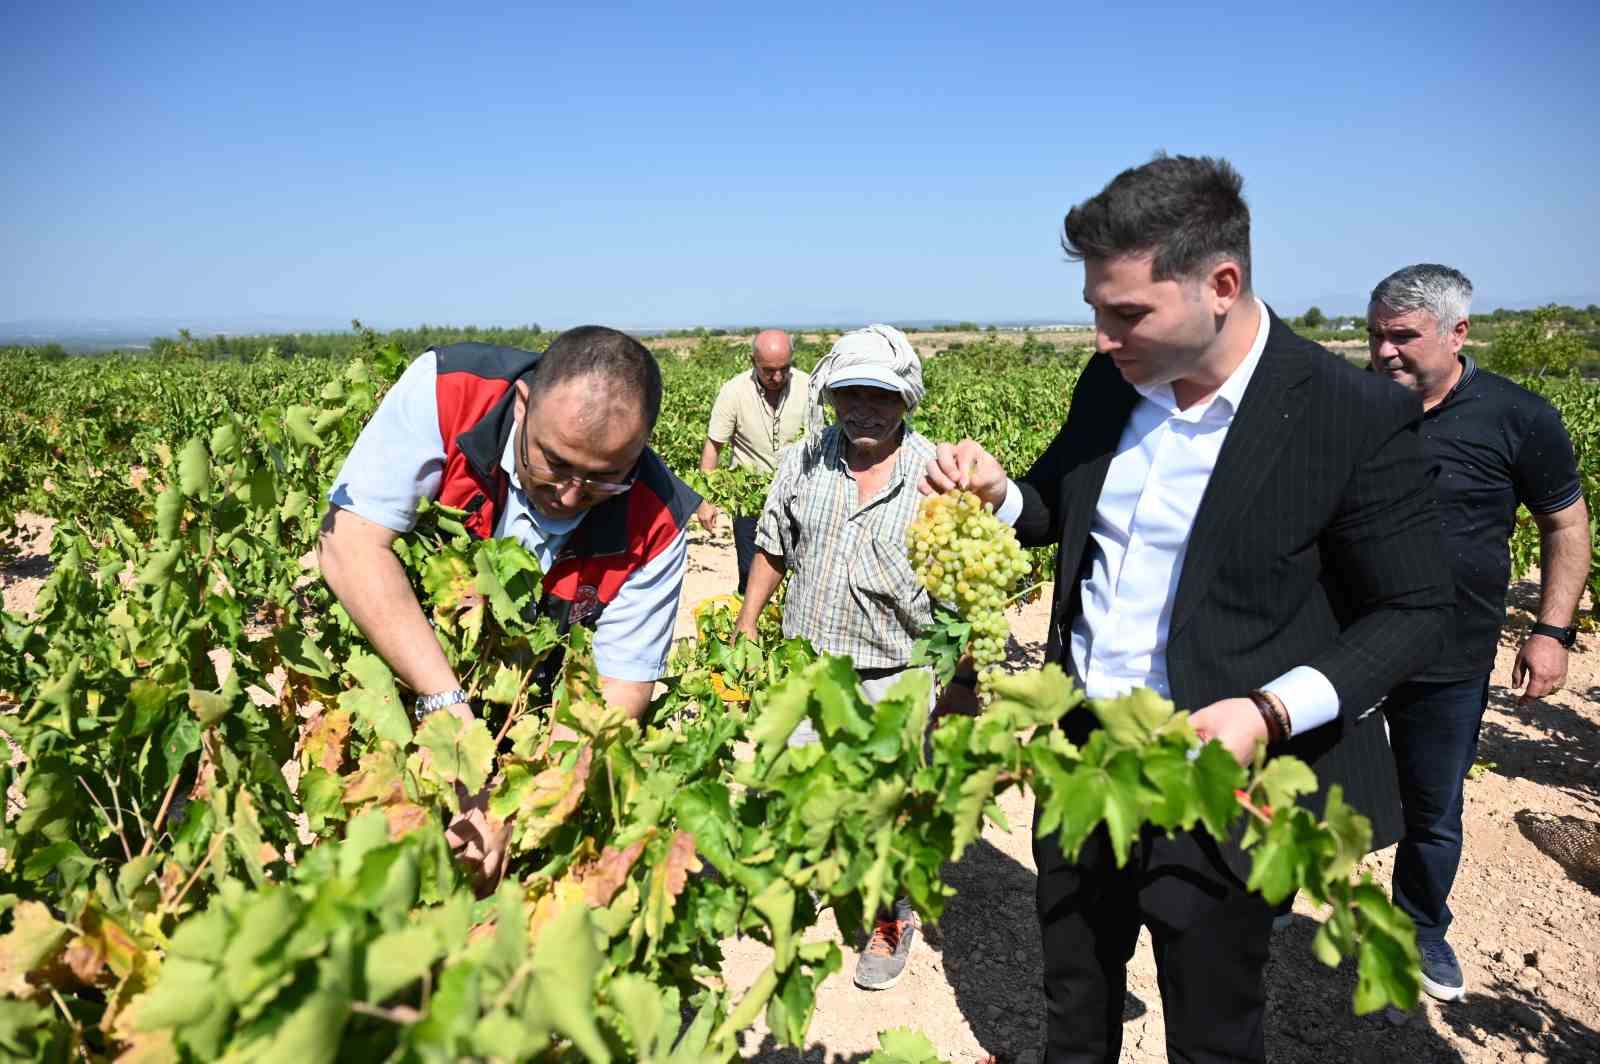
point(1311, 546)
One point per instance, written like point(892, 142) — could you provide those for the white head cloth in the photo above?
point(878, 353)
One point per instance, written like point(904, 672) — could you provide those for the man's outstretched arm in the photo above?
point(360, 566)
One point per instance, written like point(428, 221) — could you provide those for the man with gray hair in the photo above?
point(1498, 446)
point(758, 413)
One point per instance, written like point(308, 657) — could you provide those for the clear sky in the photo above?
point(671, 164)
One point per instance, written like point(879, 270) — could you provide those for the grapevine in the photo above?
point(228, 833)
point(967, 558)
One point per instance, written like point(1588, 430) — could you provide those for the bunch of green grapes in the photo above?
point(970, 561)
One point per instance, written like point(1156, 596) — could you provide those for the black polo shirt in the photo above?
point(1497, 445)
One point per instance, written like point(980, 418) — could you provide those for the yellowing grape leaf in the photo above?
point(667, 881)
point(35, 935)
point(603, 877)
point(325, 738)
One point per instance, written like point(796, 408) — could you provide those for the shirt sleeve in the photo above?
point(772, 528)
point(1010, 507)
point(1307, 696)
point(722, 416)
point(634, 634)
point(1545, 473)
point(399, 457)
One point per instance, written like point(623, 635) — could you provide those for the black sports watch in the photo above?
point(1567, 637)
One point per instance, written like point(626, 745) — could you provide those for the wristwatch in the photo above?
point(426, 704)
point(1567, 637)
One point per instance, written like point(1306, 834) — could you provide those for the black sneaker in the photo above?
point(1441, 974)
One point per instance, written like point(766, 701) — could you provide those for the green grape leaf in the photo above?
point(376, 701)
point(461, 752)
point(194, 469)
point(1388, 965)
point(1134, 718)
point(778, 713)
point(902, 1045)
point(565, 963)
point(1284, 779)
point(399, 958)
point(169, 514)
point(776, 904)
point(1036, 697)
point(298, 421)
point(976, 791)
point(1351, 833)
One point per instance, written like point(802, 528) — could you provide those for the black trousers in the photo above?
point(744, 547)
point(1211, 938)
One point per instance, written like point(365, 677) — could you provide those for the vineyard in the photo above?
point(224, 831)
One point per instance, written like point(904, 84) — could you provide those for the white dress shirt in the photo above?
point(1140, 536)
point(399, 459)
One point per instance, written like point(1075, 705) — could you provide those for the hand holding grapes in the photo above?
point(965, 466)
point(968, 560)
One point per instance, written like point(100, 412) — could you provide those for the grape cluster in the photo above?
point(970, 561)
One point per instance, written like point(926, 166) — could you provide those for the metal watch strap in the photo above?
point(426, 704)
point(1567, 637)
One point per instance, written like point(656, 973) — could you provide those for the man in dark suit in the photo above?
point(1242, 521)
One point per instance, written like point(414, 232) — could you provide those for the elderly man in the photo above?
point(549, 449)
point(1244, 527)
point(835, 521)
point(1498, 445)
point(758, 413)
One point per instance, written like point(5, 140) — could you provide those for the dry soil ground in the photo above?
point(1527, 934)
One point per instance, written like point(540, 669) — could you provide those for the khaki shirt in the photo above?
point(758, 432)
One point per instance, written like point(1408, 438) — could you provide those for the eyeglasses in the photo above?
point(549, 478)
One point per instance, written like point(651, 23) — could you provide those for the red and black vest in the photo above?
point(617, 537)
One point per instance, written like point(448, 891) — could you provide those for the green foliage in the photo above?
point(739, 491)
point(229, 840)
point(1313, 318)
point(1541, 342)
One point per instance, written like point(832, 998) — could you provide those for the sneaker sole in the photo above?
point(888, 984)
point(1441, 992)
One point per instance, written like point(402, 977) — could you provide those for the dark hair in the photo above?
point(1189, 211)
point(595, 349)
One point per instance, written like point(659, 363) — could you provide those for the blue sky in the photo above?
point(667, 164)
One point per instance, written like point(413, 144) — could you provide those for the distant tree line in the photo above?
point(1548, 339)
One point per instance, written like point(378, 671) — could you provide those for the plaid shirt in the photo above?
point(851, 588)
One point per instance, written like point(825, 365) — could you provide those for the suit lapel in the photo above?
point(1271, 404)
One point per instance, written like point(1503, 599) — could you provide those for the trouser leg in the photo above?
point(744, 547)
point(1213, 998)
point(1433, 728)
point(1089, 922)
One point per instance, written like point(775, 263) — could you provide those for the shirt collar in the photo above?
point(1232, 390)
